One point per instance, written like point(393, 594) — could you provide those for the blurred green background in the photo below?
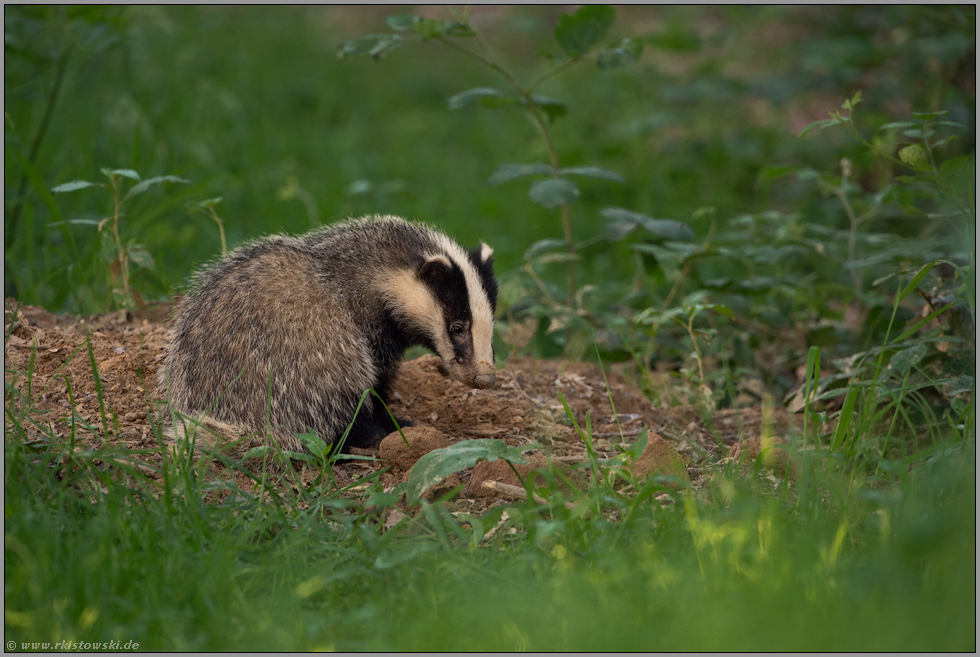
point(252, 104)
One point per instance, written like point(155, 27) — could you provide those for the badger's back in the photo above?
point(286, 333)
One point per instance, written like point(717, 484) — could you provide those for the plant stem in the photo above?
point(123, 260)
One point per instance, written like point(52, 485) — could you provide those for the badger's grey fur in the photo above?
point(286, 333)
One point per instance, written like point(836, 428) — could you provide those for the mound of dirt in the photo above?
point(98, 375)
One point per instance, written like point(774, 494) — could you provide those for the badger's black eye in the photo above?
point(457, 329)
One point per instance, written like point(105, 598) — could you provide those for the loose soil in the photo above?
point(48, 365)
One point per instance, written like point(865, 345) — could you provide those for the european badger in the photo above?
point(286, 333)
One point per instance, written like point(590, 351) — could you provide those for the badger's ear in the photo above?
point(484, 253)
point(434, 269)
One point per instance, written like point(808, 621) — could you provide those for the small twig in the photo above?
point(517, 493)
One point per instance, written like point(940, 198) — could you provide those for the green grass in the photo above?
point(860, 566)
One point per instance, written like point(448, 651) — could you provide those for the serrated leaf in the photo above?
point(140, 257)
point(370, 45)
point(402, 22)
point(74, 185)
point(439, 464)
point(580, 31)
point(149, 182)
point(542, 246)
point(210, 202)
point(430, 28)
point(667, 229)
point(508, 172)
point(593, 172)
point(470, 96)
point(125, 173)
point(553, 192)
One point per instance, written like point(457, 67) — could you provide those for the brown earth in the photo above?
point(48, 366)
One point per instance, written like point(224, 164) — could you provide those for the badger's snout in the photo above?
point(481, 376)
point(483, 380)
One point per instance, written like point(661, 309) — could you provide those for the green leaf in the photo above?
point(439, 464)
point(774, 171)
point(553, 192)
point(922, 322)
point(949, 167)
point(314, 443)
point(508, 172)
point(402, 22)
point(149, 182)
point(898, 125)
point(430, 28)
point(667, 229)
point(553, 108)
point(593, 172)
point(906, 359)
point(370, 45)
point(542, 246)
point(825, 123)
point(852, 102)
point(210, 202)
point(459, 30)
point(577, 33)
point(844, 419)
point(140, 257)
point(470, 96)
point(75, 222)
point(74, 185)
point(257, 452)
point(125, 173)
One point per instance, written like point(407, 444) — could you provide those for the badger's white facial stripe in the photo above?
point(417, 305)
point(482, 327)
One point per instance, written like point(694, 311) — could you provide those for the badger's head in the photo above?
point(449, 301)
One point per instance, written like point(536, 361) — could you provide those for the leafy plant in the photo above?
point(117, 254)
point(577, 36)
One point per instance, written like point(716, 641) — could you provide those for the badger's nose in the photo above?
point(484, 380)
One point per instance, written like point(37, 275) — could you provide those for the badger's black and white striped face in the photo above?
point(451, 300)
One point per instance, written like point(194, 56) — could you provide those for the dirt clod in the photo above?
point(659, 458)
point(421, 441)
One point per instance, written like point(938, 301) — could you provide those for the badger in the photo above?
point(284, 335)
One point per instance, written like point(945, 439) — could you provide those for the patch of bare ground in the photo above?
point(48, 369)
